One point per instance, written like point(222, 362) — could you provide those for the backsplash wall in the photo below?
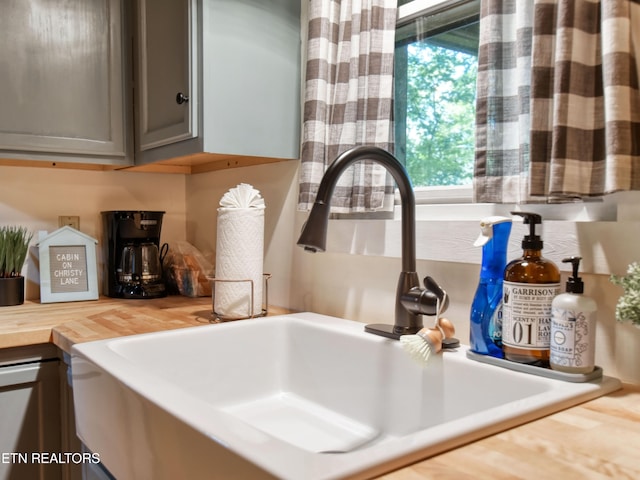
point(278, 184)
point(35, 197)
point(362, 287)
point(359, 287)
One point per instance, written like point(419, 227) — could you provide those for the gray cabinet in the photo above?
point(63, 73)
point(68, 438)
point(164, 103)
point(238, 62)
point(29, 413)
point(205, 80)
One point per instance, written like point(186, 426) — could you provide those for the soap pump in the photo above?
point(531, 282)
point(573, 321)
point(486, 308)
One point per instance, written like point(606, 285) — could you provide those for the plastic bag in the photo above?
point(188, 270)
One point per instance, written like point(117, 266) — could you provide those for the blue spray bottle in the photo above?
point(486, 309)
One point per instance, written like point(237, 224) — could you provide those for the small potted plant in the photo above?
point(628, 306)
point(14, 245)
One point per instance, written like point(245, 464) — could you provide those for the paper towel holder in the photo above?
point(265, 307)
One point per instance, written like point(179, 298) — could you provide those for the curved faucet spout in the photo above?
point(314, 233)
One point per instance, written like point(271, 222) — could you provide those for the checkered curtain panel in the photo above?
point(502, 105)
point(348, 100)
point(584, 102)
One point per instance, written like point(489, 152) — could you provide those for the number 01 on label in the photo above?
point(526, 314)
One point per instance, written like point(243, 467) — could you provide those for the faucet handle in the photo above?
point(431, 300)
point(449, 342)
point(431, 285)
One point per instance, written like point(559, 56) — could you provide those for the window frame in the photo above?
point(445, 232)
point(456, 201)
point(408, 13)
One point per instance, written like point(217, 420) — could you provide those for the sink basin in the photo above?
point(292, 396)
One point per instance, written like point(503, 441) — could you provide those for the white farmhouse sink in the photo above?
point(299, 396)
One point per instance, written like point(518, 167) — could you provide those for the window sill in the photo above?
point(446, 233)
point(582, 212)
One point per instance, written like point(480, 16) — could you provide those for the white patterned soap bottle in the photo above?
point(573, 324)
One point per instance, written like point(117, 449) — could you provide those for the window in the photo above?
point(435, 83)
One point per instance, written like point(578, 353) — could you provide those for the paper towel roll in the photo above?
point(239, 253)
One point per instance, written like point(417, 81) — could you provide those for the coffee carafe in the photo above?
point(140, 264)
point(133, 254)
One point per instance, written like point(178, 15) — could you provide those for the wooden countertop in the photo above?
point(67, 323)
point(598, 439)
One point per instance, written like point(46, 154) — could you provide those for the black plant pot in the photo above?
point(11, 291)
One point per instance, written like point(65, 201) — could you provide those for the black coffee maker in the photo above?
point(133, 254)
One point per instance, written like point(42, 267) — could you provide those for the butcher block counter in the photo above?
point(67, 323)
point(598, 439)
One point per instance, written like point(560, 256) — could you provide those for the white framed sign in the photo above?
point(68, 270)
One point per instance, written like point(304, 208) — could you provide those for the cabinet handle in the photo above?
point(181, 98)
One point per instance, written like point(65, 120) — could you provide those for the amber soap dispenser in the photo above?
point(531, 282)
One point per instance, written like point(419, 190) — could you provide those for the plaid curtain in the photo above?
point(348, 100)
point(583, 98)
point(502, 105)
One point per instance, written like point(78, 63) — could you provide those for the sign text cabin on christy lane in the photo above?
point(68, 267)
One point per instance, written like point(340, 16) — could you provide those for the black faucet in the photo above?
point(412, 301)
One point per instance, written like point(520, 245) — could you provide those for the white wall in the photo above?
point(356, 286)
point(277, 182)
point(35, 197)
point(345, 282)
point(362, 288)
point(356, 278)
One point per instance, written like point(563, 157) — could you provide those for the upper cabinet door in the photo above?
point(166, 96)
point(238, 62)
point(63, 79)
point(251, 77)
